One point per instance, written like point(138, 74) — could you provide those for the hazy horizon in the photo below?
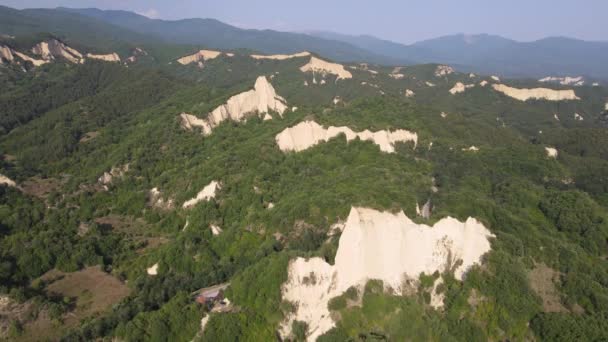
point(389, 20)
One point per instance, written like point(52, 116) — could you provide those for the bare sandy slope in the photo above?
point(317, 65)
point(200, 56)
point(206, 194)
point(260, 100)
point(536, 93)
point(281, 57)
point(6, 54)
point(111, 57)
point(309, 133)
point(24, 57)
point(52, 49)
point(385, 246)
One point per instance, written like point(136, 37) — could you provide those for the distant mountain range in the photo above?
point(554, 56)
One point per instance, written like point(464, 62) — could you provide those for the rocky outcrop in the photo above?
point(111, 57)
point(459, 87)
point(317, 65)
point(443, 70)
point(199, 57)
point(52, 49)
point(309, 133)
point(6, 54)
point(206, 194)
point(536, 93)
point(282, 57)
point(409, 93)
point(385, 246)
point(156, 200)
point(260, 100)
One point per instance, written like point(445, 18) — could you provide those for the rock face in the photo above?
point(385, 246)
point(536, 93)
point(575, 81)
point(309, 133)
point(26, 58)
point(115, 172)
point(259, 100)
point(206, 194)
point(317, 65)
point(6, 54)
point(459, 87)
point(282, 57)
point(199, 57)
point(53, 49)
point(112, 57)
point(409, 93)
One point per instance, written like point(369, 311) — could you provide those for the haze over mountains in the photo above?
point(552, 56)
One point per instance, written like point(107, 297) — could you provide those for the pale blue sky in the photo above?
point(404, 21)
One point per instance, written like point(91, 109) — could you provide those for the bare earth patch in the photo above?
point(542, 280)
point(40, 187)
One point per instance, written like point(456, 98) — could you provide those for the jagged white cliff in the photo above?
point(200, 57)
point(309, 133)
point(536, 93)
point(317, 65)
point(260, 100)
point(385, 246)
point(52, 49)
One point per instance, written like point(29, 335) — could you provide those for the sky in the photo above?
point(404, 21)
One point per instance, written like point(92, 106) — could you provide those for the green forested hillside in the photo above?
point(64, 125)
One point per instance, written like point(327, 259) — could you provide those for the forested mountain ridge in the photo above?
point(127, 187)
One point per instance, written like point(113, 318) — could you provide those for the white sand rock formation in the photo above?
point(111, 57)
point(7, 181)
point(307, 134)
point(443, 70)
point(115, 172)
point(153, 270)
point(317, 65)
point(536, 93)
point(156, 200)
point(259, 100)
point(215, 229)
point(459, 87)
point(495, 78)
point(206, 194)
point(6, 54)
point(573, 81)
point(551, 152)
point(471, 148)
point(409, 93)
point(578, 117)
point(444, 115)
point(53, 49)
point(26, 58)
point(483, 83)
point(385, 246)
point(429, 84)
point(397, 76)
point(282, 57)
point(199, 57)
